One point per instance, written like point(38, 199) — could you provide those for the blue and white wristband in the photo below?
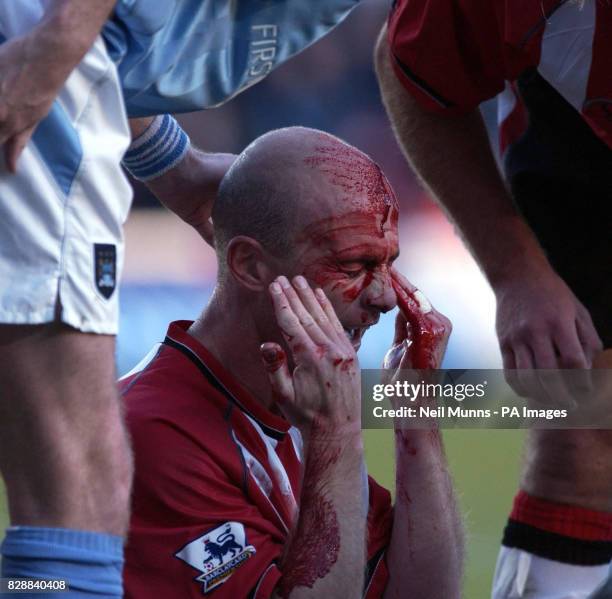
point(161, 147)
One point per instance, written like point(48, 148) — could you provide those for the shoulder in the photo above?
point(453, 55)
point(173, 414)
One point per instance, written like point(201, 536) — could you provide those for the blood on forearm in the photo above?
point(426, 549)
point(327, 549)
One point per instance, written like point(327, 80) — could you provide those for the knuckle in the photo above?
point(322, 320)
point(336, 355)
point(571, 361)
point(307, 321)
point(287, 320)
point(524, 331)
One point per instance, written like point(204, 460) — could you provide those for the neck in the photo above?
point(229, 333)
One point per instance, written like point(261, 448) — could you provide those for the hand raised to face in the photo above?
point(324, 388)
point(421, 332)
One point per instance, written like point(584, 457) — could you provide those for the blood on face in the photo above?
point(345, 255)
point(361, 183)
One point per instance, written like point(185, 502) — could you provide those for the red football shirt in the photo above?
point(454, 54)
point(217, 482)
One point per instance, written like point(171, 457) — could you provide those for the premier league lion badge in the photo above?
point(217, 554)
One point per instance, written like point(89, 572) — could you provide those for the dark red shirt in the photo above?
point(217, 482)
point(454, 54)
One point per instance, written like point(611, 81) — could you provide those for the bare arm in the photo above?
point(540, 323)
point(425, 555)
point(325, 556)
point(34, 67)
point(453, 158)
point(189, 189)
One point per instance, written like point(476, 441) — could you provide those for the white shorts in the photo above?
point(62, 213)
point(522, 575)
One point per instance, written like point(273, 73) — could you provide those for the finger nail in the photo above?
point(422, 301)
point(300, 282)
point(320, 294)
point(275, 288)
point(283, 281)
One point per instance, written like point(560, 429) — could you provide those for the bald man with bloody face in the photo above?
point(250, 476)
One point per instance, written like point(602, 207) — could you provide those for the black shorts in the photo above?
point(560, 175)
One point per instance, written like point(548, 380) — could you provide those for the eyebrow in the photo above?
point(363, 252)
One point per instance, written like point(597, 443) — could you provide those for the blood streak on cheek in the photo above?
point(330, 277)
point(355, 290)
point(323, 275)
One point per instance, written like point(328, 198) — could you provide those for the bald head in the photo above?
point(289, 178)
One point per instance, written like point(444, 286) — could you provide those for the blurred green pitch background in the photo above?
point(485, 466)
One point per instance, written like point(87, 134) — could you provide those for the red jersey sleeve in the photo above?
point(380, 524)
point(449, 54)
point(193, 532)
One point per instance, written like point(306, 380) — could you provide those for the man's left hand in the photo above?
point(190, 188)
point(421, 332)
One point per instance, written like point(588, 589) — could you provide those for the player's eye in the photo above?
point(352, 269)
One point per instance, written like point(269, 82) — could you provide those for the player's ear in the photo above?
point(249, 263)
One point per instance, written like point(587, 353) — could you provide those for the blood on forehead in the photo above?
point(343, 230)
point(363, 185)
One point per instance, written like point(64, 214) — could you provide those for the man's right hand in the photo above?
point(322, 399)
point(542, 325)
point(29, 84)
point(33, 67)
point(323, 393)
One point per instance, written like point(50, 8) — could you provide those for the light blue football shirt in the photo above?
point(185, 55)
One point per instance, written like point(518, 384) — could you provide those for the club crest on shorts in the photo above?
point(217, 554)
point(105, 258)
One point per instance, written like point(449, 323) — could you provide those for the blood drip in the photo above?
point(355, 291)
point(356, 175)
point(273, 358)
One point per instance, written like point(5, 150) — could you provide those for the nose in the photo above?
point(379, 294)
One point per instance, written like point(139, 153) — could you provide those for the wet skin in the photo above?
point(348, 248)
point(350, 258)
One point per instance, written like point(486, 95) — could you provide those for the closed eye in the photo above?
point(352, 268)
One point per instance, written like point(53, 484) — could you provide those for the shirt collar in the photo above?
point(178, 337)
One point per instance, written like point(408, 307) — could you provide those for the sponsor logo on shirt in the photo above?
point(217, 554)
point(263, 50)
